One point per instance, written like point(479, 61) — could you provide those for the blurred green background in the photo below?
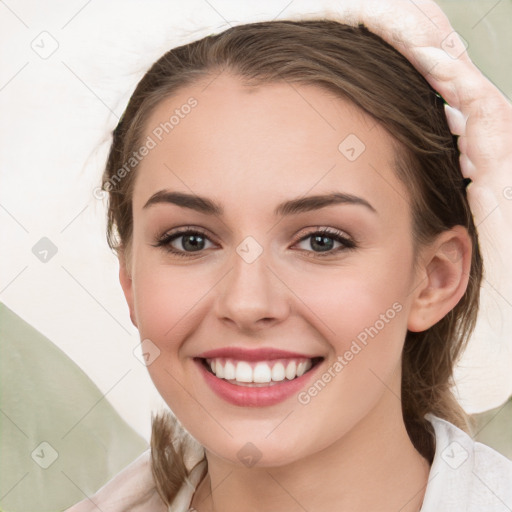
point(486, 25)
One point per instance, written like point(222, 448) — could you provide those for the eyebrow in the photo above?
point(302, 204)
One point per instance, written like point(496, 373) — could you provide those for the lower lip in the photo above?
point(246, 396)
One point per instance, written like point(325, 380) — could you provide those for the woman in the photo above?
point(298, 253)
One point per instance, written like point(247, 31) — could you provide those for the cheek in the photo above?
point(362, 313)
point(356, 302)
point(364, 321)
point(164, 304)
point(170, 302)
point(166, 299)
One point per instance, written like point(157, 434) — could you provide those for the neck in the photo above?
point(373, 467)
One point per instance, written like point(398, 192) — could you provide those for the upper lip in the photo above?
point(258, 354)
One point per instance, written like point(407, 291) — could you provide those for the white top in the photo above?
point(465, 476)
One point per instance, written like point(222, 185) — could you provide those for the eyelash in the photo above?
point(347, 244)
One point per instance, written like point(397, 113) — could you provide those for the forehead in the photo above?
point(256, 144)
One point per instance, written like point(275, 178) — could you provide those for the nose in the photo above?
point(252, 296)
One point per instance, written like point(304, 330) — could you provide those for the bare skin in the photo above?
point(249, 150)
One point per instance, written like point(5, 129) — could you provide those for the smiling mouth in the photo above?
point(259, 373)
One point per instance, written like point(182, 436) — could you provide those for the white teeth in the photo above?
point(243, 372)
point(303, 367)
point(219, 369)
point(278, 372)
point(262, 372)
point(229, 371)
point(291, 370)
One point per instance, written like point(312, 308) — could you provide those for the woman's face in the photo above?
point(249, 278)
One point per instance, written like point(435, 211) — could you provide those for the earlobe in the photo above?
point(127, 285)
point(443, 279)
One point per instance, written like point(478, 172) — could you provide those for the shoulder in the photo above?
point(465, 474)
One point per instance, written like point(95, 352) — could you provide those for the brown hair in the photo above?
point(357, 65)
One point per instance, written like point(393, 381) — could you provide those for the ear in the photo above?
point(125, 279)
point(443, 277)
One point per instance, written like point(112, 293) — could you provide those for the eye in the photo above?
point(323, 241)
point(192, 241)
